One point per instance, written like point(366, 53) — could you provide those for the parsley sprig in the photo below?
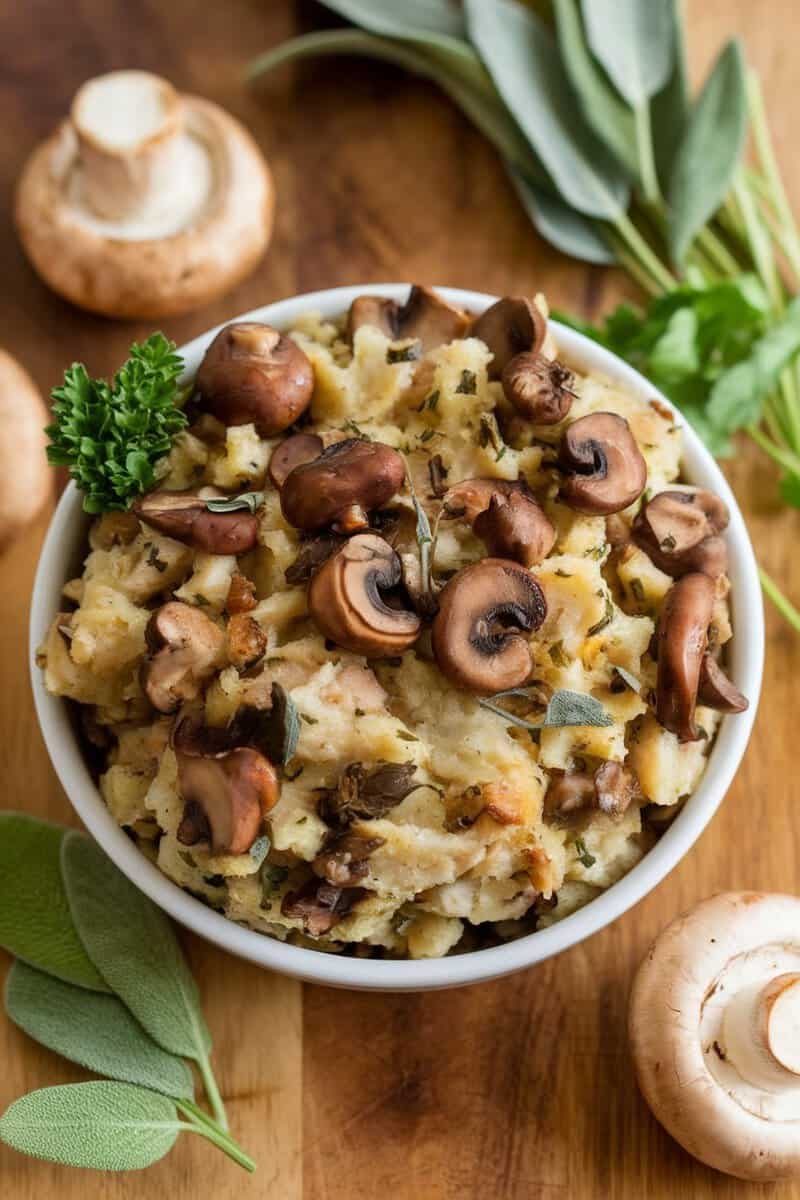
point(111, 435)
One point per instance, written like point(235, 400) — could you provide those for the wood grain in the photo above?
point(521, 1088)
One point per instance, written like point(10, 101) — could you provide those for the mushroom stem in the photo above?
point(761, 1027)
point(126, 123)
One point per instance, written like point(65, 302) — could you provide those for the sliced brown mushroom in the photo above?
point(241, 596)
point(297, 449)
point(612, 788)
point(512, 326)
point(478, 635)
point(247, 641)
point(320, 905)
point(345, 599)
point(253, 373)
point(716, 691)
point(515, 527)
point(680, 532)
point(425, 316)
point(185, 649)
point(682, 640)
point(339, 488)
point(568, 793)
point(185, 517)
point(604, 470)
point(470, 497)
point(343, 859)
point(539, 388)
point(367, 792)
point(226, 798)
point(312, 554)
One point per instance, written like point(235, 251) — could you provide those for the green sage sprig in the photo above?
point(564, 708)
point(613, 161)
point(100, 979)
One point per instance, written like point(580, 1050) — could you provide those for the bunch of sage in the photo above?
point(588, 105)
point(100, 979)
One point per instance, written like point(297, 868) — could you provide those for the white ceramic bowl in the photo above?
point(61, 556)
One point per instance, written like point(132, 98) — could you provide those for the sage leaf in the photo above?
point(634, 42)
point(522, 58)
point(225, 504)
point(384, 16)
point(104, 1125)
point(565, 708)
point(608, 115)
point(285, 726)
point(560, 225)
point(133, 944)
point(482, 106)
point(93, 1030)
point(738, 394)
point(710, 152)
point(35, 921)
point(669, 108)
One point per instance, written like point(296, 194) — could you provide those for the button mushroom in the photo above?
point(320, 905)
point(297, 449)
point(339, 488)
point(470, 497)
point(604, 470)
point(612, 789)
point(714, 1026)
point(226, 797)
point(144, 203)
point(681, 644)
point(512, 326)
point(26, 481)
point(345, 599)
point(679, 531)
point(716, 691)
point(251, 373)
point(478, 635)
point(515, 527)
point(185, 517)
point(185, 649)
point(539, 388)
point(425, 316)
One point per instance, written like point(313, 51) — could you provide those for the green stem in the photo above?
point(212, 1092)
point(718, 252)
point(647, 162)
point(203, 1124)
point(769, 165)
point(760, 247)
point(647, 257)
point(631, 264)
point(786, 459)
point(784, 606)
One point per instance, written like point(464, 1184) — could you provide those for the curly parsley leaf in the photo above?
point(111, 435)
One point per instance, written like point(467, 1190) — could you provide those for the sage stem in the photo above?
point(784, 606)
point(212, 1091)
point(647, 162)
point(647, 257)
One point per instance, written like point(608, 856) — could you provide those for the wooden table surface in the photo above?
point(519, 1088)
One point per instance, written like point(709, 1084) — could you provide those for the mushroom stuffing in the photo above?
point(418, 642)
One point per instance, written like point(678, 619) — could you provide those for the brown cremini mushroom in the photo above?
point(241, 596)
point(612, 789)
point(512, 326)
point(573, 791)
point(26, 480)
point(470, 497)
point(247, 641)
point(679, 531)
point(251, 373)
point(425, 317)
point(478, 634)
point(716, 691)
point(714, 1027)
point(185, 517)
point(346, 602)
point(604, 470)
point(367, 792)
point(144, 203)
point(539, 388)
point(297, 449)
point(312, 554)
point(226, 797)
point(682, 641)
point(342, 486)
point(185, 649)
point(320, 905)
point(515, 527)
point(343, 859)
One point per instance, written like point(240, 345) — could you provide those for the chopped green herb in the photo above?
point(606, 619)
point(224, 504)
point(637, 588)
point(408, 351)
point(468, 384)
point(557, 654)
point(584, 857)
point(153, 560)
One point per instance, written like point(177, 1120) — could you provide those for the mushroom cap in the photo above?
point(26, 481)
point(297, 449)
point(694, 975)
point(374, 311)
point(515, 527)
point(678, 530)
point(143, 278)
point(511, 326)
point(478, 634)
point(716, 691)
point(539, 388)
point(470, 497)
point(184, 517)
point(233, 792)
point(344, 598)
point(425, 317)
point(350, 473)
point(251, 373)
point(604, 470)
point(185, 650)
point(682, 640)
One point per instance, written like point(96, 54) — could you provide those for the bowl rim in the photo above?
point(475, 966)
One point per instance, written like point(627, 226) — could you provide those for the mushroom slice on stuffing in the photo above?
point(679, 531)
point(603, 467)
point(185, 649)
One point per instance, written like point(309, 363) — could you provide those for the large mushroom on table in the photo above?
point(144, 203)
point(25, 478)
point(714, 1028)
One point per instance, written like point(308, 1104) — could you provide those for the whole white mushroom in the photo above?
point(714, 1027)
point(144, 203)
point(26, 481)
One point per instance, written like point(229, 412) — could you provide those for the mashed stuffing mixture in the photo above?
point(417, 647)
